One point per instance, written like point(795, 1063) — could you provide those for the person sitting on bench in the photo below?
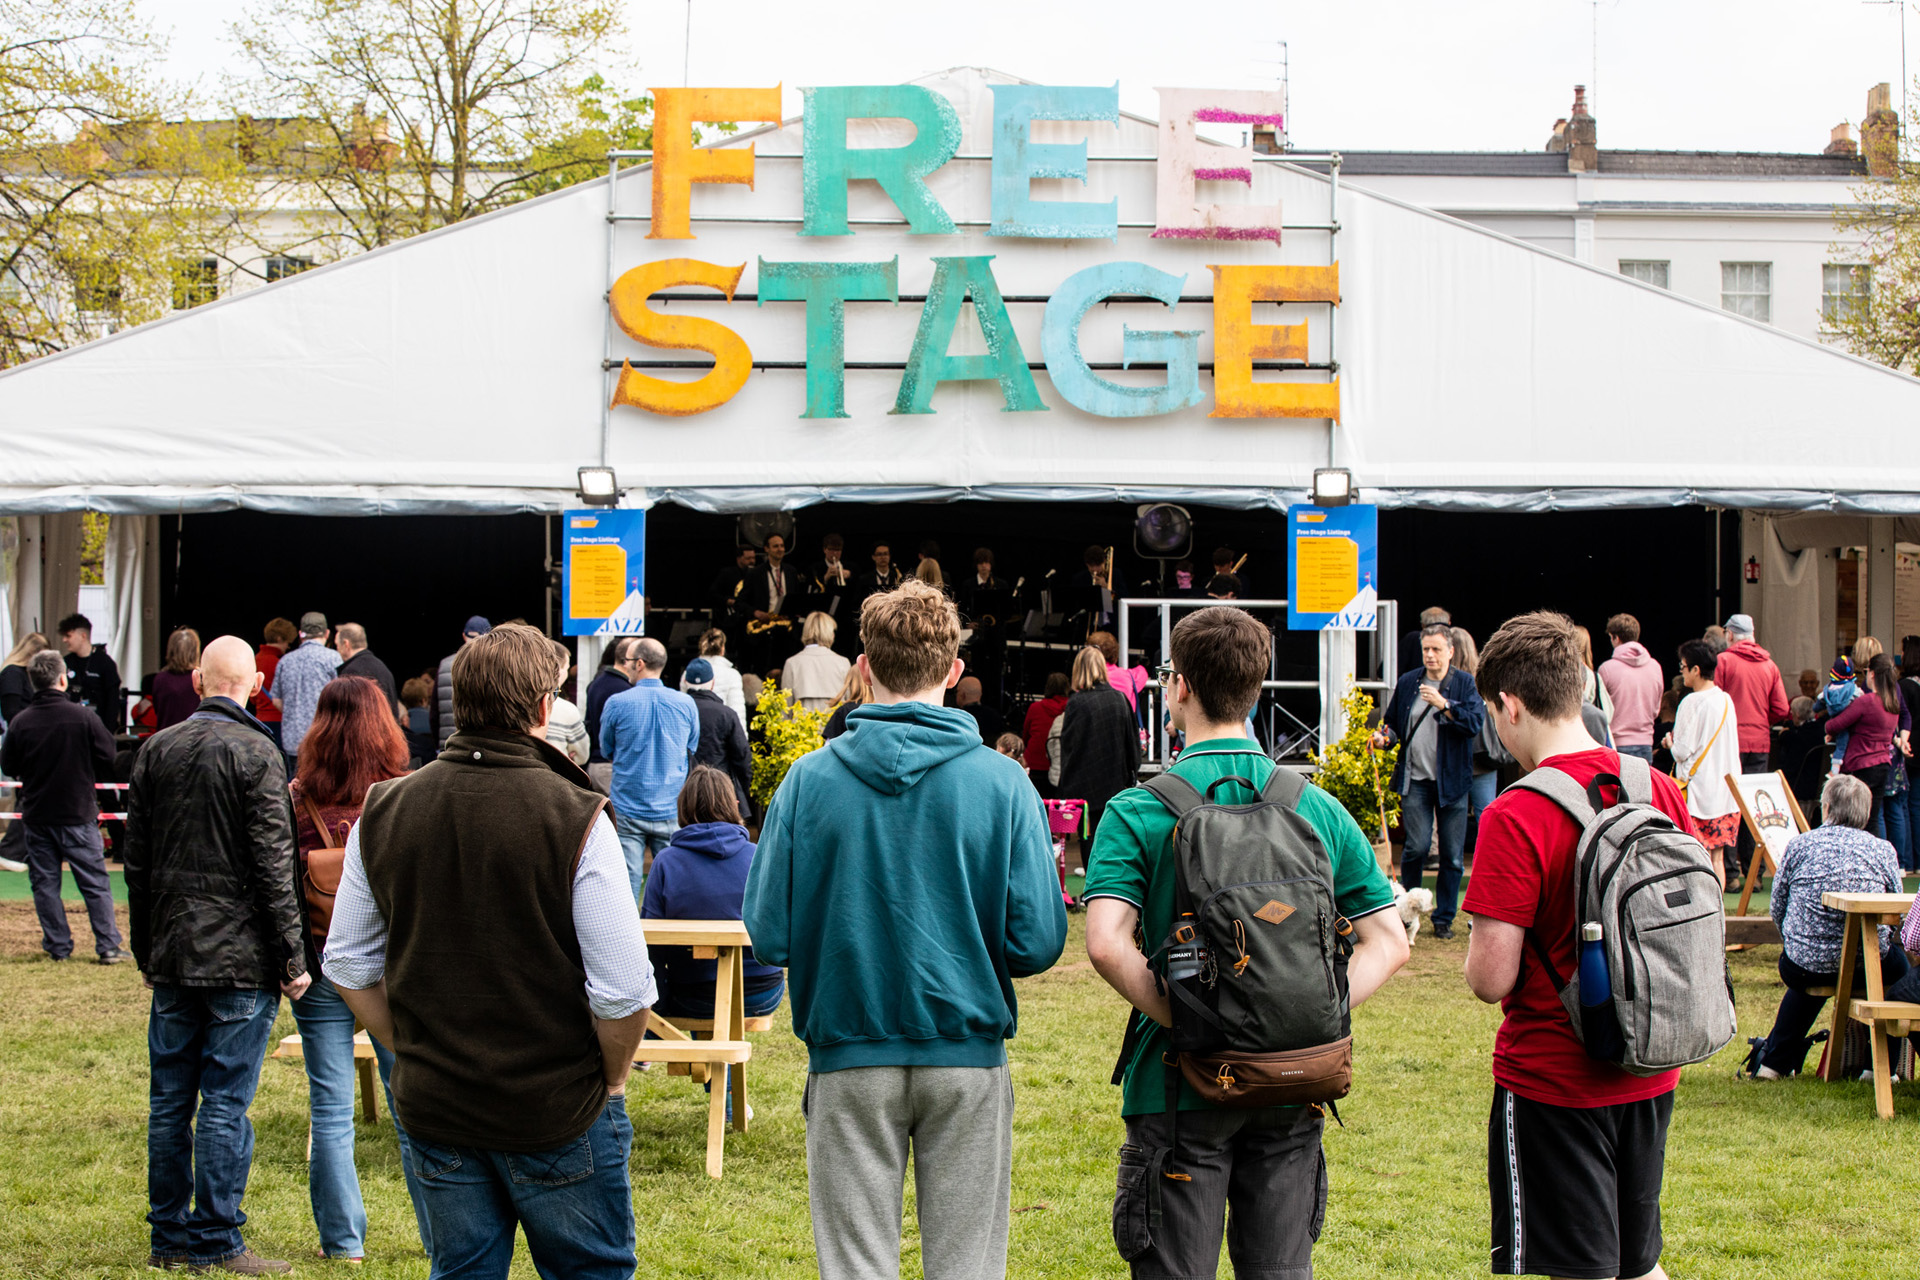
point(1840, 856)
point(702, 875)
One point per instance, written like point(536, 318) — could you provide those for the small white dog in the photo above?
point(1414, 906)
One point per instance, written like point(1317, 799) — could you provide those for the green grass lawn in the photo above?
point(1796, 1179)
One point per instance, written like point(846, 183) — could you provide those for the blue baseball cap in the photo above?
point(699, 672)
point(477, 626)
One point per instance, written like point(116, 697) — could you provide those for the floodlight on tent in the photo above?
point(1332, 487)
point(598, 488)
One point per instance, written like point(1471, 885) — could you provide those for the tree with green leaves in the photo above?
point(415, 114)
point(109, 214)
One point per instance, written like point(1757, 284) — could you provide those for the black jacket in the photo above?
point(1099, 745)
point(609, 682)
point(368, 667)
point(57, 749)
point(210, 859)
point(758, 592)
point(723, 742)
point(95, 680)
point(16, 690)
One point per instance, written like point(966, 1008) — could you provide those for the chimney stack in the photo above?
point(1557, 140)
point(1841, 143)
point(1880, 133)
point(1583, 135)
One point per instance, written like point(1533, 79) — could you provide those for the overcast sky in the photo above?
point(1750, 75)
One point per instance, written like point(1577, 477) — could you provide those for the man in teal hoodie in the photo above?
point(905, 878)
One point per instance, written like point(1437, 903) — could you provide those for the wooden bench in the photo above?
point(1860, 944)
point(725, 943)
point(365, 1066)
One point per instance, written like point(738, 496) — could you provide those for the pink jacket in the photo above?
point(1747, 673)
point(1635, 684)
point(1129, 682)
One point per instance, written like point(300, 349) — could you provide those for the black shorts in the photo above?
point(1576, 1191)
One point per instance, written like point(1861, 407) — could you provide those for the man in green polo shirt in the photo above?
point(1264, 1163)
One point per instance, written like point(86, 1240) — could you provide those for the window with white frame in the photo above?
point(282, 265)
point(195, 280)
point(1746, 289)
point(1645, 270)
point(1844, 288)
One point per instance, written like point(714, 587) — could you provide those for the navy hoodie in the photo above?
point(702, 875)
point(905, 877)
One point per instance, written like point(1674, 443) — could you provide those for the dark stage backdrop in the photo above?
point(412, 580)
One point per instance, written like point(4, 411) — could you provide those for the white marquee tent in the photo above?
point(465, 371)
point(461, 371)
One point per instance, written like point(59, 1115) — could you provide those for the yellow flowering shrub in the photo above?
point(1358, 777)
point(787, 732)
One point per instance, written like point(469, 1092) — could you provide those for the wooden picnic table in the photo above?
point(725, 943)
point(1860, 944)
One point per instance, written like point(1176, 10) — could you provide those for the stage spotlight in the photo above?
point(1162, 531)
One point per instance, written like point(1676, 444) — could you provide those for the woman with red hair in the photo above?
point(353, 743)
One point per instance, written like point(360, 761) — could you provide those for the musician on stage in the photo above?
point(885, 577)
point(833, 583)
point(724, 591)
point(986, 606)
point(771, 634)
point(1091, 590)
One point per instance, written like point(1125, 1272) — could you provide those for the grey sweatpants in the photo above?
point(960, 1123)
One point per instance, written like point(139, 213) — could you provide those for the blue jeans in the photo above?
point(640, 840)
point(1420, 812)
point(81, 848)
point(1895, 817)
point(205, 1046)
point(574, 1203)
point(1645, 753)
point(1911, 800)
point(333, 1184)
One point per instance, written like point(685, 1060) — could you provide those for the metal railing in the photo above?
point(1383, 657)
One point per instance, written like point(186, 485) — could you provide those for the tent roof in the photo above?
point(462, 370)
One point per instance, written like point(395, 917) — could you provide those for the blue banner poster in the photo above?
point(603, 572)
point(1333, 568)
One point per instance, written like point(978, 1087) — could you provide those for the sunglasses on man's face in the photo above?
point(1166, 673)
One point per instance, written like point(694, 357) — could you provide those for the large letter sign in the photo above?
point(1017, 161)
point(1084, 389)
point(825, 287)
point(731, 359)
point(1177, 211)
point(929, 365)
point(677, 163)
point(1009, 183)
point(829, 163)
point(1238, 342)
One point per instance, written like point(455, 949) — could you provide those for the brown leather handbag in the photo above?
point(320, 874)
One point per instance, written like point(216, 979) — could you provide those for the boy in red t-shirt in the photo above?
point(1575, 1146)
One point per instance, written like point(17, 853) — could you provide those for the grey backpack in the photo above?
point(1651, 888)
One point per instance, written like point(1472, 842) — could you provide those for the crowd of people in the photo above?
point(461, 863)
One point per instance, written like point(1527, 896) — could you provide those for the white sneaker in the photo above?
point(8, 864)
